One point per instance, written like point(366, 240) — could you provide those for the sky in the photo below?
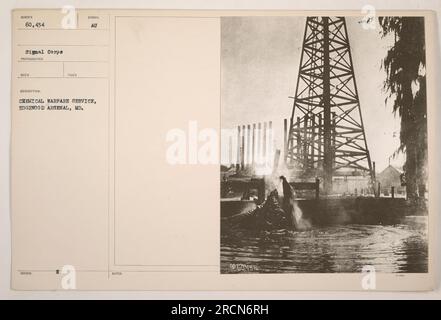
point(260, 58)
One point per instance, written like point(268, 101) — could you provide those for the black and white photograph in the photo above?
point(324, 145)
point(246, 153)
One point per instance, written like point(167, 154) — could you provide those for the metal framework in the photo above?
point(326, 132)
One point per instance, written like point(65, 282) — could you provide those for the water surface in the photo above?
point(400, 248)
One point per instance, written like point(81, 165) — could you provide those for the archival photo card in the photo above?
point(223, 150)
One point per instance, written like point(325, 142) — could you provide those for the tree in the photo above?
point(405, 82)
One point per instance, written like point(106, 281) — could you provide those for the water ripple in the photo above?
point(389, 248)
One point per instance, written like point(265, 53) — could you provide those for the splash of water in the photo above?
point(297, 214)
point(292, 208)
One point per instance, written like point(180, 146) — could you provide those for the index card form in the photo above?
point(59, 153)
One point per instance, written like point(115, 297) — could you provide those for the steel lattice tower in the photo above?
point(326, 134)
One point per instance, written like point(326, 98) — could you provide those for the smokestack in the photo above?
point(285, 140)
point(238, 149)
point(270, 138)
point(242, 153)
point(259, 143)
point(230, 150)
point(248, 144)
point(264, 142)
point(254, 144)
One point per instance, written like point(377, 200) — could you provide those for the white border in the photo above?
point(5, 66)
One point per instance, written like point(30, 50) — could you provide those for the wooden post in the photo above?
point(299, 141)
point(374, 177)
point(374, 172)
point(305, 142)
point(320, 152)
point(312, 144)
point(290, 143)
point(317, 188)
point(379, 190)
point(334, 139)
point(392, 192)
point(326, 104)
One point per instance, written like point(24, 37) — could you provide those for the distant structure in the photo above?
point(388, 178)
point(351, 185)
point(325, 136)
